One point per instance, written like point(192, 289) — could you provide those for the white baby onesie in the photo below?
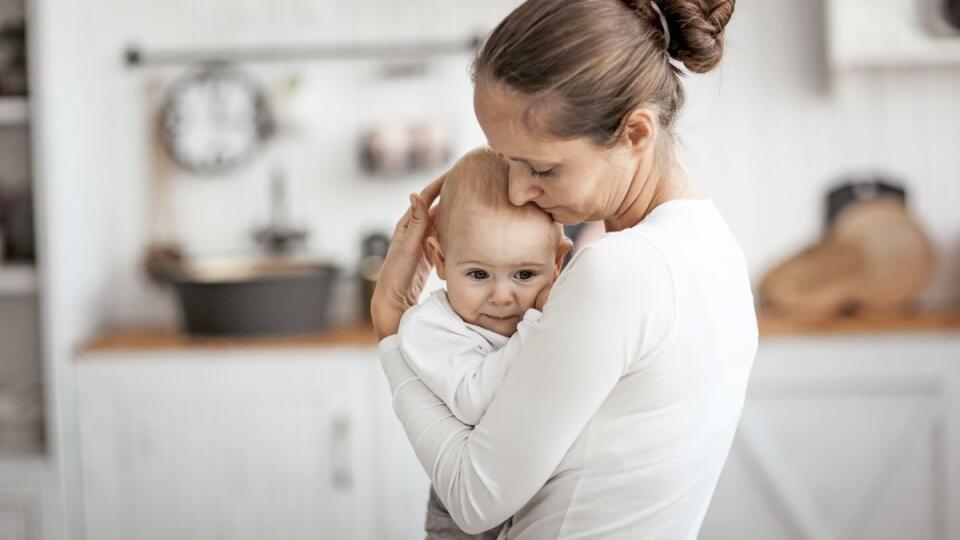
point(462, 363)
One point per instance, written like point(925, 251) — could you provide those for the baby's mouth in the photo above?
point(506, 318)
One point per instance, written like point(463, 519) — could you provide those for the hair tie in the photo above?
point(663, 24)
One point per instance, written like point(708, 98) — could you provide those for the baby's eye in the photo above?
point(525, 275)
point(478, 274)
point(541, 174)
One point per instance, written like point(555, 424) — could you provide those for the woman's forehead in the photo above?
point(501, 116)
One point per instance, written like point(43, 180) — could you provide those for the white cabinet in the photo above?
point(844, 438)
point(296, 444)
point(841, 438)
point(867, 33)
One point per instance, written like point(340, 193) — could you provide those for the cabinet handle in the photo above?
point(341, 468)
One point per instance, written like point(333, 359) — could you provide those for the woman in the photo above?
point(616, 419)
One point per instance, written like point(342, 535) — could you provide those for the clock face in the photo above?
point(214, 119)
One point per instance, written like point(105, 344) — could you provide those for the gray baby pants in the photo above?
point(440, 526)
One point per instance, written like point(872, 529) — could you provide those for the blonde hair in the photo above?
point(480, 179)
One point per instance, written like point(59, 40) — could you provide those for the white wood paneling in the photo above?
point(846, 438)
point(283, 445)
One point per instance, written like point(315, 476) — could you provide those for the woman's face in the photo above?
point(573, 180)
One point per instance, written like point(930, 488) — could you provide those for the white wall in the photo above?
point(765, 135)
point(771, 131)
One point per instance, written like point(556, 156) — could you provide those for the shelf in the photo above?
point(31, 459)
point(165, 339)
point(900, 33)
point(23, 453)
point(14, 111)
point(17, 279)
point(944, 320)
point(21, 470)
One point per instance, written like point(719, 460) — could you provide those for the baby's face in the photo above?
point(495, 265)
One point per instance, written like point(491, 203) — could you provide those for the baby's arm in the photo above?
point(455, 362)
point(476, 386)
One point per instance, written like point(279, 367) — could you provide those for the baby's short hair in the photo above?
point(480, 178)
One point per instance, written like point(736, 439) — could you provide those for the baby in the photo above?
point(496, 258)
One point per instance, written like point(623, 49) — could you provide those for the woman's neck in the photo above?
point(647, 191)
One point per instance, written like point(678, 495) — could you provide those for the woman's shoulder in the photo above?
point(622, 253)
point(620, 267)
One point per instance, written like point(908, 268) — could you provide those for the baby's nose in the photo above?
point(501, 296)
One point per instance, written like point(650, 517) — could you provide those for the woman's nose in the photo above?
point(522, 189)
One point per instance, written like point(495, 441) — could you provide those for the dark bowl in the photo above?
point(259, 297)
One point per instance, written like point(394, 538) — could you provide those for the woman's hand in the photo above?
point(406, 266)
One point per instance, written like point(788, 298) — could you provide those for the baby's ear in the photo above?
point(435, 254)
point(565, 246)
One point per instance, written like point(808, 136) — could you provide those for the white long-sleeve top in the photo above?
point(617, 414)
point(462, 363)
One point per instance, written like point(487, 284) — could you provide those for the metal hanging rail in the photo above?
point(135, 57)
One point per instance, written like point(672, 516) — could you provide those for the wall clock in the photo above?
point(214, 119)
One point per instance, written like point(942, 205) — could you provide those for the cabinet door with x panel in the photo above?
point(843, 438)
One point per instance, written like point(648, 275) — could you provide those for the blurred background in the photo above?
point(195, 198)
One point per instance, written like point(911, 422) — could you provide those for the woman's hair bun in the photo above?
point(695, 28)
point(696, 31)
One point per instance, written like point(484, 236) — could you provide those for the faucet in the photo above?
point(278, 238)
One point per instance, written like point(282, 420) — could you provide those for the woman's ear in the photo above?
point(435, 254)
point(565, 246)
point(640, 129)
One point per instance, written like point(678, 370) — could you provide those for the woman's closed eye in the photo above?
point(478, 275)
point(540, 174)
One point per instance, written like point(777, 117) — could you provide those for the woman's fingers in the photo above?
point(432, 191)
point(406, 266)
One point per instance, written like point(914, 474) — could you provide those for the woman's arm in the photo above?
point(591, 329)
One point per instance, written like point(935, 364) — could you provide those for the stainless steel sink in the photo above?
point(254, 297)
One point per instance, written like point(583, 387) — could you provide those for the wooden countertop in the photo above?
point(143, 339)
point(944, 320)
point(771, 325)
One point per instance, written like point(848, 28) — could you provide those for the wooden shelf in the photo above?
point(167, 339)
point(14, 111)
point(17, 279)
point(945, 320)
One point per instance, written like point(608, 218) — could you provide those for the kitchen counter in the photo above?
point(771, 325)
point(145, 339)
point(944, 320)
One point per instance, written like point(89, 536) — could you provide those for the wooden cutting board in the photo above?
point(874, 259)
